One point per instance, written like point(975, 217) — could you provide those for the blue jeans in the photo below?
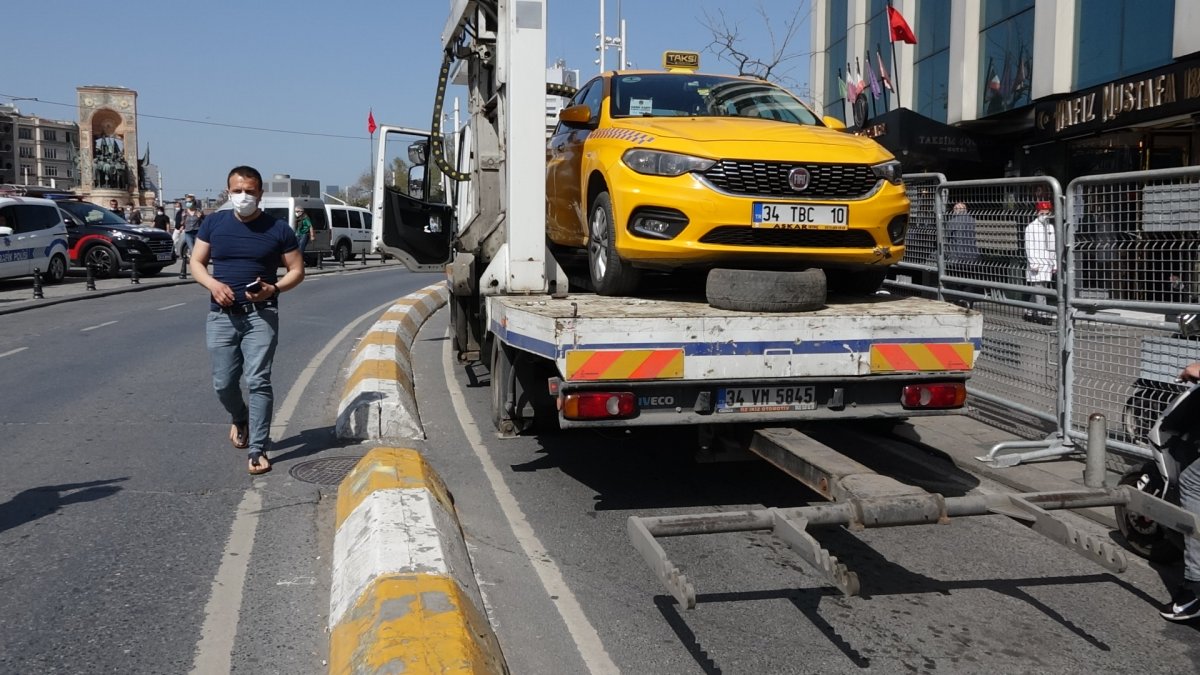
point(303, 241)
point(1189, 498)
point(244, 344)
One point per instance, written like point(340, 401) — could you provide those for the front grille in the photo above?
point(736, 235)
point(770, 179)
point(160, 246)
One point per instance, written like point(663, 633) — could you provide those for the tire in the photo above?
point(1142, 535)
point(609, 274)
point(766, 290)
point(150, 271)
point(342, 252)
point(104, 259)
point(56, 270)
point(863, 281)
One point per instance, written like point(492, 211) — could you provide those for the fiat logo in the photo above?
point(798, 179)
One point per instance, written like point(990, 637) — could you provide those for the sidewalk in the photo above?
point(16, 295)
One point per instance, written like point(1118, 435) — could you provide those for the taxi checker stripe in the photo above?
point(921, 357)
point(633, 364)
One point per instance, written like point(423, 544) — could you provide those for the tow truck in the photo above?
point(560, 358)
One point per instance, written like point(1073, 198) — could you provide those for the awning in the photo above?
point(924, 144)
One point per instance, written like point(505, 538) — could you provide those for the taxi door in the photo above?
point(565, 211)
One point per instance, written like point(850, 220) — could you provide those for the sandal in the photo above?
point(239, 435)
point(259, 463)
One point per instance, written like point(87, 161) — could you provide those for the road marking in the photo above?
point(214, 653)
point(13, 351)
point(99, 325)
point(587, 640)
point(178, 304)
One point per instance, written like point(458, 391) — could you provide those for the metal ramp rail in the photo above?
point(862, 498)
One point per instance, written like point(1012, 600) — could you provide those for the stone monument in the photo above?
point(109, 167)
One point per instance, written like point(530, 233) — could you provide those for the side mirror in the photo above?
point(6, 231)
point(576, 115)
point(418, 153)
point(833, 123)
point(1189, 324)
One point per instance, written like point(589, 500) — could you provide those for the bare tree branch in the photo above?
point(777, 64)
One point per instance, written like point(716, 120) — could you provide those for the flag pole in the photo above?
point(895, 63)
point(879, 58)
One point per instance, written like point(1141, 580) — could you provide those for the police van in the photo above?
point(33, 236)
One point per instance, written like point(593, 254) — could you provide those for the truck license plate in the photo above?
point(800, 216)
point(766, 399)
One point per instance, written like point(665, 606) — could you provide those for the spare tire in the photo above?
point(766, 290)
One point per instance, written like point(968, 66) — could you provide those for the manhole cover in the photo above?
point(325, 471)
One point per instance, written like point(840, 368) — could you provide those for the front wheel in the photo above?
point(1142, 535)
point(103, 259)
point(609, 274)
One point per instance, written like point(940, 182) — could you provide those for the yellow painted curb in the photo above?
point(377, 369)
point(388, 468)
point(414, 624)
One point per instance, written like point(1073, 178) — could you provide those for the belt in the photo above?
point(246, 307)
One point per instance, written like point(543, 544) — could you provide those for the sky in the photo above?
point(286, 86)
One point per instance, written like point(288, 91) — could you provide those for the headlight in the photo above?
point(655, 163)
point(125, 235)
point(889, 171)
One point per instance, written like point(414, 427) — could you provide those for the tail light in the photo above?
point(599, 405)
point(943, 395)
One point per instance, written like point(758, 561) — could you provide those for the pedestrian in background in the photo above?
point(115, 207)
point(303, 228)
point(1041, 258)
point(161, 220)
point(962, 252)
point(245, 245)
point(189, 223)
point(133, 214)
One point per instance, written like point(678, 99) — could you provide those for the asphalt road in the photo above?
point(131, 538)
point(545, 520)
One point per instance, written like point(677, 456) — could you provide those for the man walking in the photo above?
point(245, 245)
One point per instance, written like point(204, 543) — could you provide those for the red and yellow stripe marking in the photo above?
point(625, 364)
point(886, 358)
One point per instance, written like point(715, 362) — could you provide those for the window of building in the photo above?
point(1005, 55)
point(25, 151)
point(27, 170)
point(931, 72)
point(67, 137)
point(49, 153)
point(835, 60)
point(1115, 38)
point(50, 170)
point(25, 133)
point(49, 135)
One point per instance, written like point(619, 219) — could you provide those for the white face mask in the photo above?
point(244, 203)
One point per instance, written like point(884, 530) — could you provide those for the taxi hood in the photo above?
point(752, 137)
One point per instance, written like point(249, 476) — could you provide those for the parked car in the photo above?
point(665, 170)
point(32, 236)
point(350, 230)
point(101, 238)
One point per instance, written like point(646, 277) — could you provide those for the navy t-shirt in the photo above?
point(242, 252)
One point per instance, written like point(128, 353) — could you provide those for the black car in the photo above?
point(101, 238)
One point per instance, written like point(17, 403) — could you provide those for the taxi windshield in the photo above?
point(691, 95)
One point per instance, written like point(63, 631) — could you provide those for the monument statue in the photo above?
point(110, 168)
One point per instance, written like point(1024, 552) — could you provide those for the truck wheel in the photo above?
point(856, 282)
point(1142, 535)
point(766, 290)
point(609, 274)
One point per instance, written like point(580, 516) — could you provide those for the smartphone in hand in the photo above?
point(254, 286)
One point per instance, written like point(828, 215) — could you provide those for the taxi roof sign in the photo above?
point(688, 61)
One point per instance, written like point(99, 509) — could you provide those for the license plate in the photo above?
point(164, 256)
point(800, 216)
point(766, 399)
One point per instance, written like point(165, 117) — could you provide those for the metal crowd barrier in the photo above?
point(916, 273)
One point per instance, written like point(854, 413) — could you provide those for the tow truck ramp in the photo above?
point(861, 498)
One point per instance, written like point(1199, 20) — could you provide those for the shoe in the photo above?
point(239, 435)
point(259, 463)
point(1184, 606)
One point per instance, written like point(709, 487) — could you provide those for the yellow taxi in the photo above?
point(671, 169)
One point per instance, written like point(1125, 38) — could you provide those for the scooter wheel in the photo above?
point(1142, 535)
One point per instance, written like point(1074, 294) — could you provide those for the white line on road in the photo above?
point(13, 351)
point(99, 325)
point(591, 648)
point(178, 304)
point(214, 653)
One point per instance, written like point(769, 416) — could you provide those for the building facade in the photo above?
point(38, 151)
point(1016, 87)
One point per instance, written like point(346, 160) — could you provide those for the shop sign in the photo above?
point(1160, 93)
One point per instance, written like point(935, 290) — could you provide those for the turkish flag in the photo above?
point(371, 122)
point(899, 27)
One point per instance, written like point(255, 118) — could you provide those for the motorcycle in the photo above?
point(1174, 442)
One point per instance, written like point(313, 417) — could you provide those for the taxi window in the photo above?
point(690, 95)
point(593, 98)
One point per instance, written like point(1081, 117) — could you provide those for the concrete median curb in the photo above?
point(379, 400)
point(403, 596)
